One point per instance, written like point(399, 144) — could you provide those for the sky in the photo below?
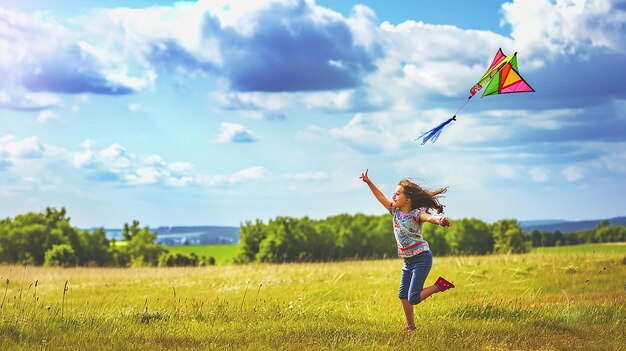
point(218, 112)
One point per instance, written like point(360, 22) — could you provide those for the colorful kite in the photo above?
point(502, 77)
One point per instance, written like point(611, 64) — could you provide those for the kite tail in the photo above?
point(434, 133)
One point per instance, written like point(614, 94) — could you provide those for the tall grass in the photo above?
point(537, 301)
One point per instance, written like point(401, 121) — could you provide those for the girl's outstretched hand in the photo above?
point(445, 222)
point(365, 178)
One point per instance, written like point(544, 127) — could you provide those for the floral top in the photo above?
point(407, 229)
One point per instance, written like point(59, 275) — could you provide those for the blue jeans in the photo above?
point(414, 273)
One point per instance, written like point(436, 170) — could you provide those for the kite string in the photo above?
point(465, 103)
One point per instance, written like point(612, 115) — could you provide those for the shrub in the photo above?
point(177, 259)
point(61, 255)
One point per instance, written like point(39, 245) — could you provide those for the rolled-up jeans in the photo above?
point(414, 273)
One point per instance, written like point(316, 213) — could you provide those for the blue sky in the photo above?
point(217, 112)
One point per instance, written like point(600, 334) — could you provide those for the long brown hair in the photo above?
point(423, 198)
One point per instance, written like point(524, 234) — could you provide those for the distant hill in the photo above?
point(568, 226)
point(180, 235)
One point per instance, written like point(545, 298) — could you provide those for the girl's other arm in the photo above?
point(439, 220)
point(377, 193)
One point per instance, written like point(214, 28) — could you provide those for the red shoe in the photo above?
point(443, 284)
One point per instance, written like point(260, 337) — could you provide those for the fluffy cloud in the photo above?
point(21, 100)
point(12, 148)
point(565, 26)
point(269, 46)
point(234, 133)
point(539, 174)
point(573, 173)
point(273, 57)
point(47, 57)
point(115, 163)
point(47, 116)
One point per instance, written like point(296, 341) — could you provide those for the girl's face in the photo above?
point(399, 198)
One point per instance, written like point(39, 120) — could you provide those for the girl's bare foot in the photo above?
point(410, 328)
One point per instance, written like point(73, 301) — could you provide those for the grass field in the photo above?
point(586, 248)
point(223, 254)
point(549, 300)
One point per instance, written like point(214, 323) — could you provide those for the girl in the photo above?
point(411, 206)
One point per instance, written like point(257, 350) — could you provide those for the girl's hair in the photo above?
point(423, 198)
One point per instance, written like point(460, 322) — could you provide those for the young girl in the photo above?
point(411, 206)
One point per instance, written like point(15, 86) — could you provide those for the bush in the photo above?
point(61, 255)
point(177, 259)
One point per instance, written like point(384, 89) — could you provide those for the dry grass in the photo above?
point(538, 301)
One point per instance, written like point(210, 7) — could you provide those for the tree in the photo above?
point(558, 238)
point(61, 255)
point(547, 239)
point(508, 237)
point(436, 238)
point(250, 237)
point(98, 248)
point(142, 247)
point(469, 236)
point(169, 259)
point(535, 238)
point(605, 233)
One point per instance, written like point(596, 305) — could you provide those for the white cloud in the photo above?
point(27, 148)
point(136, 169)
point(48, 116)
point(367, 132)
point(180, 166)
point(84, 159)
point(18, 99)
point(88, 144)
point(135, 107)
point(114, 151)
point(539, 174)
point(242, 176)
point(249, 174)
point(50, 168)
point(144, 175)
point(612, 157)
point(47, 57)
point(566, 26)
point(573, 173)
point(234, 133)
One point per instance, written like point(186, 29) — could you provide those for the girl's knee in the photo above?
point(415, 299)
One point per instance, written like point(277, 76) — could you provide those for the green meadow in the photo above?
point(223, 254)
point(549, 299)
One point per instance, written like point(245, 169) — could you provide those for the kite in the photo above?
point(502, 77)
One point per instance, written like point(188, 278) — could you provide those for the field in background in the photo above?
point(586, 248)
point(549, 300)
point(223, 254)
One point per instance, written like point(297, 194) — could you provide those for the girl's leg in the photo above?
point(409, 314)
point(406, 279)
point(420, 270)
point(428, 291)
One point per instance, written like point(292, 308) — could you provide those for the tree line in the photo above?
point(48, 239)
point(287, 239)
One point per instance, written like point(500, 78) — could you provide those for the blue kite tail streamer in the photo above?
point(434, 133)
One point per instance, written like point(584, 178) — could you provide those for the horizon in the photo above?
point(546, 221)
point(223, 112)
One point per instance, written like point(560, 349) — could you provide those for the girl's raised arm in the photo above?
point(377, 193)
